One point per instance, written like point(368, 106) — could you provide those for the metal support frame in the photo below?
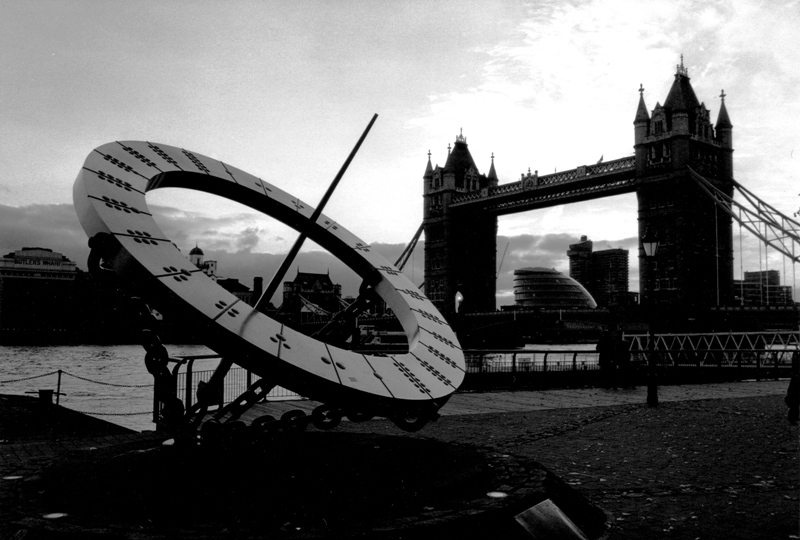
point(780, 231)
point(235, 409)
point(403, 259)
point(721, 348)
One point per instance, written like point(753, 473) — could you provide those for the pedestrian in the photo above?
point(792, 398)
point(606, 359)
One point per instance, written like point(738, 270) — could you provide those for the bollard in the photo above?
point(652, 385)
point(45, 396)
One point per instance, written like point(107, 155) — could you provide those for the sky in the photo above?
point(283, 90)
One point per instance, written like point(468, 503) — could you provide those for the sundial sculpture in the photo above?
point(109, 198)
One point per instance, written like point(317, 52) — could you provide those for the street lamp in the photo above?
point(650, 247)
point(649, 244)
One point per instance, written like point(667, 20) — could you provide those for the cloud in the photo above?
point(236, 248)
point(56, 227)
point(53, 226)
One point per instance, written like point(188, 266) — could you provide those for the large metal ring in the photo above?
point(109, 197)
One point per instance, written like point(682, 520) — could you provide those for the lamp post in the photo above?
point(650, 246)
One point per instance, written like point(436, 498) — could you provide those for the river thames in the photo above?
point(107, 381)
point(111, 382)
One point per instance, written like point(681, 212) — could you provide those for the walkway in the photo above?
point(541, 400)
point(712, 461)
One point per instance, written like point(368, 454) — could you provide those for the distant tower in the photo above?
point(609, 282)
point(196, 256)
point(580, 261)
point(460, 246)
point(258, 289)
point(209, 268)
point(694, 263)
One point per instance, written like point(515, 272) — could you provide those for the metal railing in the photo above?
point(236, 381)
point(488, 369)
point(525, 361)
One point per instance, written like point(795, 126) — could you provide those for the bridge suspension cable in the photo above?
point(779, 230)
point(403, 259)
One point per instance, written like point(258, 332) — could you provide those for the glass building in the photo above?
point(547, 288)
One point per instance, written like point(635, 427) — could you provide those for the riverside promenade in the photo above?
point(712, 461)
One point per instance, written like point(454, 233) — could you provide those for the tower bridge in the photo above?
point(693, 268)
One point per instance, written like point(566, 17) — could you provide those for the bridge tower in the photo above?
point(693, 266)
point(460, 247)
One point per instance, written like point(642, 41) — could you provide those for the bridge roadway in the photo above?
point(580, 184)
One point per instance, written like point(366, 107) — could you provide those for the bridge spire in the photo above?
point(641, 111)
point(681, 70)
point(492, 176)
point(429, 168)
point(723, 121)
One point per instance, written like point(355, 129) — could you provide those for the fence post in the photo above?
point(156, 409)
point(739, 365)
point(513, 370)
point(775, 357)
point(758, 366)
point(58, 388)
point(188, 397)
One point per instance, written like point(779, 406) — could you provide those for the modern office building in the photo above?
point(604, 273)
point(580, 261)
point(762, 288)
point(609, 276)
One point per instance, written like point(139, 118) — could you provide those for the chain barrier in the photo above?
point(112, 414)
point(29, 378)
point(106, 383)
point(77, 377)
point(91, 413)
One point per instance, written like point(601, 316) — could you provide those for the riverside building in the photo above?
point(36, 292)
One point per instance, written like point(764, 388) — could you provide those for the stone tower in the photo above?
point(460, 246)
point(693, 266)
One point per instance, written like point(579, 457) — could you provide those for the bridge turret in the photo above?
point(641, 128)
point(724, 130)
point(492, 176)
point(428, 170)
